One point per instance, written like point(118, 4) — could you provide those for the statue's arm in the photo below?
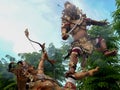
point(94, 22)
point(65, 27)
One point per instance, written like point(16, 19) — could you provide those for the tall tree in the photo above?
point(7, 80)
point(116, 17)
point(58, 68)
point(109, 74)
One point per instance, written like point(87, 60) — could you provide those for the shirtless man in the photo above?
point(75, 23)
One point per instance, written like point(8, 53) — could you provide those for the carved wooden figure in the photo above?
point(75, 23)
point(18, 71)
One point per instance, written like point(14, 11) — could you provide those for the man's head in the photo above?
point(67, 4)
point(70, 11)
point(20, 63)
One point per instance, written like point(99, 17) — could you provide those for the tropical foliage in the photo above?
point(109, 73)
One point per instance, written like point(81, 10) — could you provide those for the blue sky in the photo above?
point(43, 19)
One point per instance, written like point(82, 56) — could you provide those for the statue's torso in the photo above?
point(79, 31)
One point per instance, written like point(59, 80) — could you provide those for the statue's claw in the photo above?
point(110, 53)
point(91, 72)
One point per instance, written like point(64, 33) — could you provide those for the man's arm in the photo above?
point(94, 22)
point(65, 27)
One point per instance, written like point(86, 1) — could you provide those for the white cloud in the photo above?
point(6, 7)
point(39, 19)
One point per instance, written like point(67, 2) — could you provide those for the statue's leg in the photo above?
point(72, 63)
point(103, 48)
point(83, 63)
